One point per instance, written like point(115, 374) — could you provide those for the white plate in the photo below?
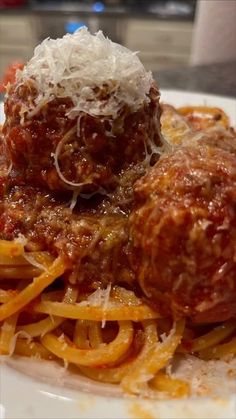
point(181, 98)
point(24, 397)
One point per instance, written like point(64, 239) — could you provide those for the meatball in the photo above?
point(184, 234)
point(80, 122)
point(95, 157)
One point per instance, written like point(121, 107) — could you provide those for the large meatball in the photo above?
point(79, 122)
point(95, 157)
point(184, 234)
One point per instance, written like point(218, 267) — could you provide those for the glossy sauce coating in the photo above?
point(184, 234)
point(95, 149)
point(94, 245)
point(178, 244)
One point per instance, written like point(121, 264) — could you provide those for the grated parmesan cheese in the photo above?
point(22, 334)
point(80, 66)
point(99, 298)
point(21, 239)
point(34, 262)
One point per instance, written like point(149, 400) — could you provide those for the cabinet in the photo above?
point(161, 44)
point(18, 37)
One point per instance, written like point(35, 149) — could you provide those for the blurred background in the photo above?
point(168, 33)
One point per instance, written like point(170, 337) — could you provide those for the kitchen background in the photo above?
point(161, 30)
point(168, 34)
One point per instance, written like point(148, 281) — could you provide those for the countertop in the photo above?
point(218, 79)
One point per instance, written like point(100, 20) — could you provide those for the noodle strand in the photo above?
point(33, 290)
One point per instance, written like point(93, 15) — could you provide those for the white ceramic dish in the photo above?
point(24, 397)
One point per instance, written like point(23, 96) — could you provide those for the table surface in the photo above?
point(218, 79)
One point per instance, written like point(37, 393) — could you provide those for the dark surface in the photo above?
point(165, 9)
point(219, 79)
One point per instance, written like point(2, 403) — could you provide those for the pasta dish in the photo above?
point(118, 221)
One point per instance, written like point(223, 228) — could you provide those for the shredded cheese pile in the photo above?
point(98, 75)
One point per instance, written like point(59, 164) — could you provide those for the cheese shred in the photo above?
point(98, 75)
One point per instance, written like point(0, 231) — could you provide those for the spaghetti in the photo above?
point(130, 350)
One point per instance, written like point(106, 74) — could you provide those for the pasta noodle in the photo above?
point(7, 333)
point(103, 355)
point(153, 357)
point(11, 249)
point(32, 290)
point(132, 349)
point(78, 311)
point(212, 338)
point(32, 349)
point(219, 351)
point(205, 115)
point(173, 386)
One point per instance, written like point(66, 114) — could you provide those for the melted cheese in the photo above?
point(98, 75)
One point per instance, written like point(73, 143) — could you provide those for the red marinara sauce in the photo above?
point(184, 234)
